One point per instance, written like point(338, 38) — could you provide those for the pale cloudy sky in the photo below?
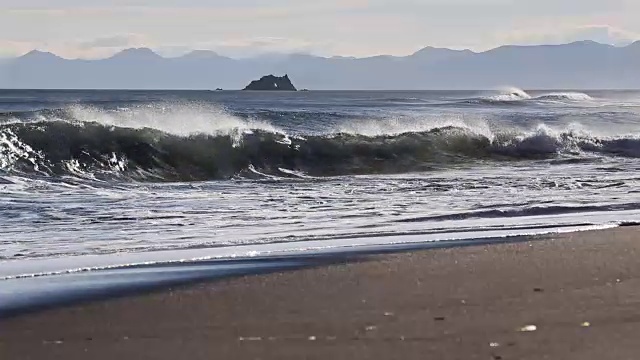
point(98, 28)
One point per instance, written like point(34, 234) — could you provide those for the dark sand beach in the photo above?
point(580, 292)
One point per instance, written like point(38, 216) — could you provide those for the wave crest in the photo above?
point(510, 94)
point(566, 96)
point(91, 149)
point(514, 95)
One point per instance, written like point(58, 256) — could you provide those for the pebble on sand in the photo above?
point(528, 328)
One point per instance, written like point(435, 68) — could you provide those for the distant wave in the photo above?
point(568, 96)
point(514, 96)
point(510, 94)
point(181, 148)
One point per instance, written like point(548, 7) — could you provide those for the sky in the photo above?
point(241, 28)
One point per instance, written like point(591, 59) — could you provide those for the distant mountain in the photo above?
point(139, 54)
point(200, 55)
point(584, 64)
point(433, 55)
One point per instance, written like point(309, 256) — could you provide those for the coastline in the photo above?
point(39, 284)
point(579, 290)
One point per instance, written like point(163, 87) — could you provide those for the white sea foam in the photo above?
point(568, 96)
point(12, 150)
point(512, 94)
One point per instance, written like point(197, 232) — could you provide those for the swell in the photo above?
point(518, 97)
point(95, 150)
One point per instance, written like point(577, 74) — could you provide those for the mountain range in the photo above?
point(578, 65)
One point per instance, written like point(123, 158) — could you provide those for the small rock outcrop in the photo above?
point(272, 83)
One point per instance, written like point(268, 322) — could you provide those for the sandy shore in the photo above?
point(579, 292)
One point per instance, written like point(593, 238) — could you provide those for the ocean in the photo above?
point(94, 181)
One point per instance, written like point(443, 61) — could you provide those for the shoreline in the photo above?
point(49, 289)
point(564, 296)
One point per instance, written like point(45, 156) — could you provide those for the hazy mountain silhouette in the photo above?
point(584, 64)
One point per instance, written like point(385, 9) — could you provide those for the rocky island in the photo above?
point(272, 83)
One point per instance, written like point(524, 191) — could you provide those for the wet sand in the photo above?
point(580, 292)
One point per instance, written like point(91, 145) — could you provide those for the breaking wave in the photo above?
point(568, 96)
point(509, 94)
point(189, 146)
point(515, 95)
